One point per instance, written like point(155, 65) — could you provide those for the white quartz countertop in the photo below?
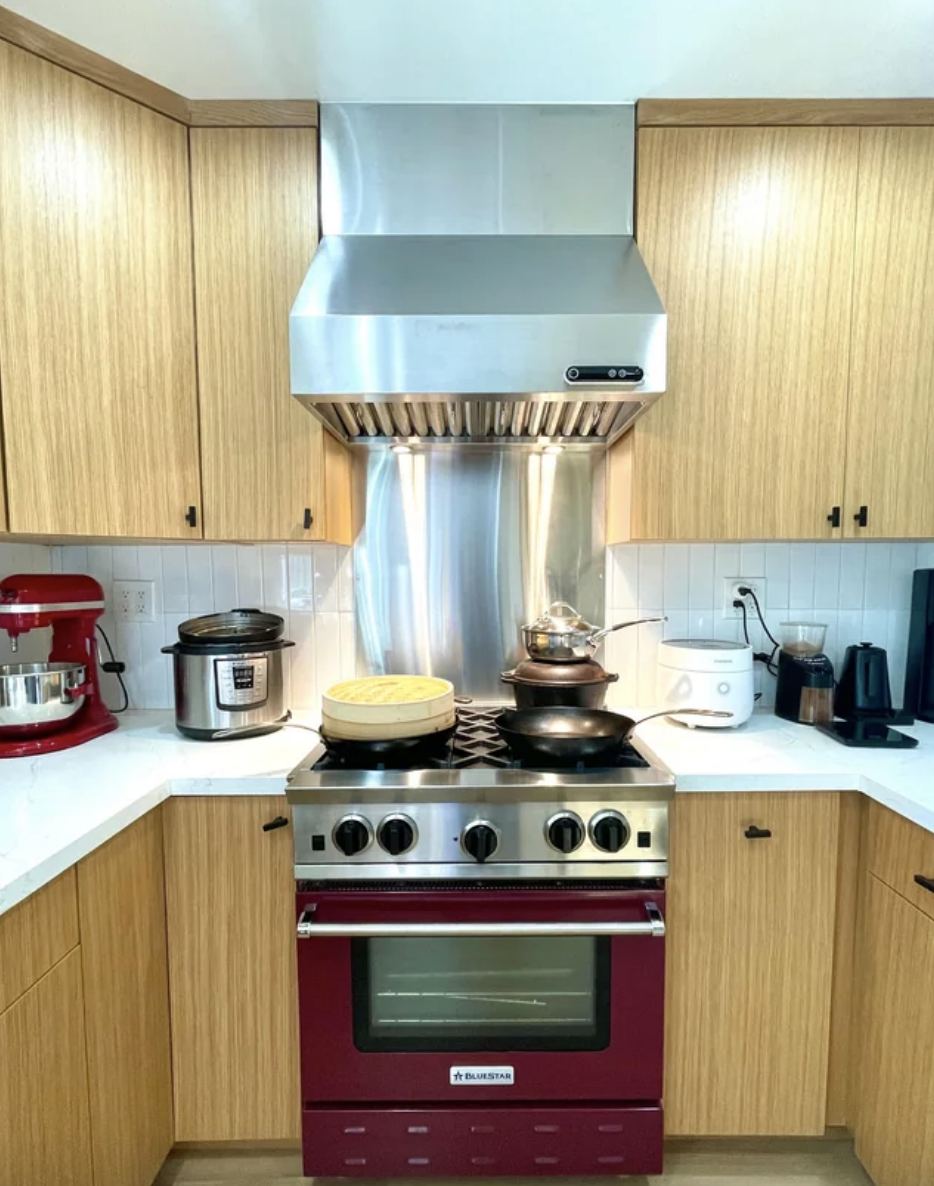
point(56, 809)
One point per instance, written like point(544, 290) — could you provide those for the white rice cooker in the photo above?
point(706, 673)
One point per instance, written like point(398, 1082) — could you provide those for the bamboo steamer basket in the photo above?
point(386, 707)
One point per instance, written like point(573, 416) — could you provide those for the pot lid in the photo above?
point(577, 674)
point(560, 618)
point(233, 628)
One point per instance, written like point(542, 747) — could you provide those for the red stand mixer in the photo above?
point(57, 704)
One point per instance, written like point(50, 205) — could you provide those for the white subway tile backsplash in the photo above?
point(751, 560)
point(200, 580)
point(327, 650)
point(904, 562)
point(174, 580)
point(852, 575)
point(345, 580)
point(676, 589)
point(348, 646)
point(878, 571)
point(74, 558)
point(327, 590)
point(925, 555)
point(651, 574)
point(249, 576)
point(777, 562)
point(827, 573)
point(701, 589)
point(725, 564)
point(302, 660)
point(801, 577)
point(125, 566)
point(623, 569)
point(224, 564)
point(301, 578)
point(649, 637)
point(100, 567)
point(275, 563)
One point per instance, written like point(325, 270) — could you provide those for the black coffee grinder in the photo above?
point(804, 691)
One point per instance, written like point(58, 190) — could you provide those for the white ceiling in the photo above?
point(509, 50)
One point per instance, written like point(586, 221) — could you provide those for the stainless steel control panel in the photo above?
point(241, 683)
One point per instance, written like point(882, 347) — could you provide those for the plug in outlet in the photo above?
point(731, 593)
point(134, 601)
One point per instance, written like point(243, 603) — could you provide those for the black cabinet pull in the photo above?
point(308, 519)
point(192, 517)
point(279, 822)
point(754, 833)
point(834, 517)
point(861, 518)
point(925, 882)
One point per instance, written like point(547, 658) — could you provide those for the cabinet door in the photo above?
point(748, 233)
point(750, 960)
point(890, 438)
point(230, 893)
point(255, 209)
point(895, 1125)
point(43, 1083)
point(121, 900)
point(96, 322)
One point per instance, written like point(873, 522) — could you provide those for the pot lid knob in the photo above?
point(560, 618)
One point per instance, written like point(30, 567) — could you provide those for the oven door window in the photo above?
point(472, 994)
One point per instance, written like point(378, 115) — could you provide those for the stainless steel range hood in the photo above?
point(477, 279)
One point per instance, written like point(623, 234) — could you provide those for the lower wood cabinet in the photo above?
point(121, 903)
point(231, 915)
point(43, 1083)
point(750, 963)
point(895, 1125)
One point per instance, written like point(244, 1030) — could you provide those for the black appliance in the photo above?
point(864, 702)
point(919, 672)
point(804, 689)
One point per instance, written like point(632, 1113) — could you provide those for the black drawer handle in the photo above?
point(754, 833)
point(192, 517)
point(925, 882)
point(834, 517)
point(308, 519)
point(861, 517)
point(279, 822)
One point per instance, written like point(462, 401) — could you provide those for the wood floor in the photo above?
point(688, 1163)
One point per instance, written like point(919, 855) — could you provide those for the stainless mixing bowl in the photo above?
point(38, 697)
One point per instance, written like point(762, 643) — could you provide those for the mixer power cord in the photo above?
point(114, 667)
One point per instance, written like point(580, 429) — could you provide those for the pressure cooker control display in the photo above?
point(241, 683)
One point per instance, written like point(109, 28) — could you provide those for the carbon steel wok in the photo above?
point(558, 736)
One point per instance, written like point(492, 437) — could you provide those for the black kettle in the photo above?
point(863, 690)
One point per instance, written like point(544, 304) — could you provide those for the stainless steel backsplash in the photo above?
point(462, 546)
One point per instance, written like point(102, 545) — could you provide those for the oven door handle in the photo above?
point(309, 929)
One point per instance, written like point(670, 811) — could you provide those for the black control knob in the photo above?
point(480, 841)
point(352, 835)
point(565, 832)
point(396, 834)
point(609, 831)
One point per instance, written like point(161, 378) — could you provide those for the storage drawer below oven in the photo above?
point(465, 1141)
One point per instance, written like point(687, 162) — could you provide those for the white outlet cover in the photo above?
point(731, 593)
point(134, 601)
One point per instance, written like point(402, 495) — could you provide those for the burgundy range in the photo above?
point(481, 962)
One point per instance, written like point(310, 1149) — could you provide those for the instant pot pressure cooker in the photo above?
point(228, 675)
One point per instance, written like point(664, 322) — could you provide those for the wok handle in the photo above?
point(597, 637)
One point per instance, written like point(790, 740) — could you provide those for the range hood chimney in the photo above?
point(477, 279)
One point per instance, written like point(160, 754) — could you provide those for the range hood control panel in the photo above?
point(588, 376)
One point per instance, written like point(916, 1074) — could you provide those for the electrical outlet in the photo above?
point(731, 593)
point(134, 601)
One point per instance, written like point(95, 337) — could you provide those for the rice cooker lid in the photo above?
point(704, 655)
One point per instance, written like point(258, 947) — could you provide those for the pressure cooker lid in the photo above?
point(560, 618)
point(237, 627)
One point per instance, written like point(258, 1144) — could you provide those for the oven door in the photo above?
point(435, 994)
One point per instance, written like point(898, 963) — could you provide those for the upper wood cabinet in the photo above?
point(230, 894)
point(749, 235)
point(895, 1124)
point(890, 437)
point(97, 357)
point(750, 963)
point(255, 210)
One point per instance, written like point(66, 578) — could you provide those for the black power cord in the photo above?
point(115, 667)
point(760, 656)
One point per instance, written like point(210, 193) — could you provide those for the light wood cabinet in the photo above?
point(121, 897)
point(895, 1126)
point(255, 213)
point(890, 433)
point(749, 235)
point(231, 919)
point(97, 356)
point(750, 963)
point(35, 935)
point(43, 1083)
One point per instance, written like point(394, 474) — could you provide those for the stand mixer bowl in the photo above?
point(37, 698)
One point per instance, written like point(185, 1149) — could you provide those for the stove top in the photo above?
point(476, 743)
point(476, 812)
